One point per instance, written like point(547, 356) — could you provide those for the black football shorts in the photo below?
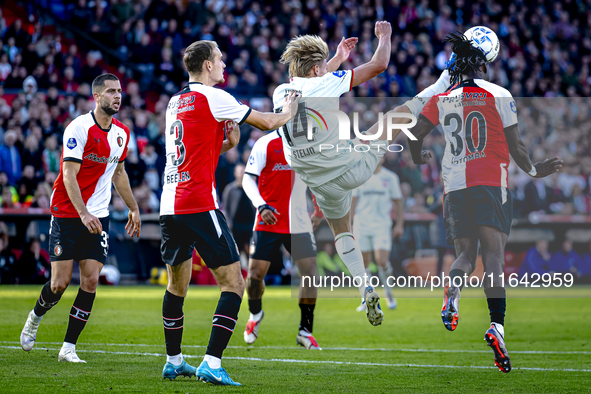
point(465, 209)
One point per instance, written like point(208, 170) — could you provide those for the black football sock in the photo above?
point(455, 273)
point(307, 316)
point(497, 304)
point(255, 306)
point(79, 315)
point(224, 321)
point(47, 300)
point(173, 317)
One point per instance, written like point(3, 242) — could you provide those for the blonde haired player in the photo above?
point(332, 175)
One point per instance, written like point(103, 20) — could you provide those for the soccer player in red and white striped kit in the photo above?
point(94, 151)
point(197, 120)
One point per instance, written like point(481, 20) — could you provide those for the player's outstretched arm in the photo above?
point(71, 169)
point(267, 121)
point(121, 182)
point(519, 153)
point(381, 58)
point(343, 51)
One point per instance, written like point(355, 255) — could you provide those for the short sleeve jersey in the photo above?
point(319, 94)
point(473, 115)
point(195, 131)
point(374, 201)
point(99, 151)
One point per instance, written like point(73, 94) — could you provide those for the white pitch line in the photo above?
point(329, 348)
point(287, 360)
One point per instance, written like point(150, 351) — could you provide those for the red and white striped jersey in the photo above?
point(279, 186)
point(195, 120)
point(473, 114)
point(98, 151)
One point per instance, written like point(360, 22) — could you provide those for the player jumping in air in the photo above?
point(479, 120)
point(95, 147)
point(332, 174)
point(197, 120)
point(282, 218)
point(372, 223)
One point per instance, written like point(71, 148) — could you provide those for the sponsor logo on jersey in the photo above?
point(281, 167)
point(72, 143)
point(251, 160)
point(120, 141)
point(58, 250)
point(339, 73)
point(513, 106)
point(103, 159)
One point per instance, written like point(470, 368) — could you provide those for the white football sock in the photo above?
point(68, 345)
point(382, 275)
point(213, 362)
point(349, 252)
point(500, 329)
point(175, 360)
point(257, 316)
point(34, 318)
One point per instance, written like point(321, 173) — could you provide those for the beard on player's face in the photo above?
point(108, 109)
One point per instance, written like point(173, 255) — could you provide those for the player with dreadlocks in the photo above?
point(479, 120)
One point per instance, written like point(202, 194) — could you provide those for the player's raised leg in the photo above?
point(231, 283)
point(493, 245)
point(307, 303)
point(81, 309)
point(179, 276)
point(257, 269)
point(51, 293)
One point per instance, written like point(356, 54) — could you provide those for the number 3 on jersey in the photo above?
point(176, 130)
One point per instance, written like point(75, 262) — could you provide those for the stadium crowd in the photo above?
point(45, 78)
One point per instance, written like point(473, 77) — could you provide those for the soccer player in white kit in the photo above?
point(372, 223)
point(332, 174)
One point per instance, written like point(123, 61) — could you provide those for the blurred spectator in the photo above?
point(584, 267)
point(539, 197)
point(240, 213)
point(566, 260)
point(34, 266)
point(10, 158)
point(8, 267)
point(536, 260)
point(51, 155)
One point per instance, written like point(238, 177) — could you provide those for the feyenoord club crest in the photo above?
point(120, 141)
point(58, 250)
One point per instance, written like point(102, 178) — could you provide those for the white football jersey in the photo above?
point(304, 156)
point(374, 201)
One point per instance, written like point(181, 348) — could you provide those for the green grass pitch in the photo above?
point(549, 340)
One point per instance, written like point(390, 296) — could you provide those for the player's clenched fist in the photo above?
point(383, 29)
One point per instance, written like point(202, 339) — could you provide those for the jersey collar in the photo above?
point(99, 126)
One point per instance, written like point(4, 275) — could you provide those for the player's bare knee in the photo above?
point(89, 283)
point(59, 285)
